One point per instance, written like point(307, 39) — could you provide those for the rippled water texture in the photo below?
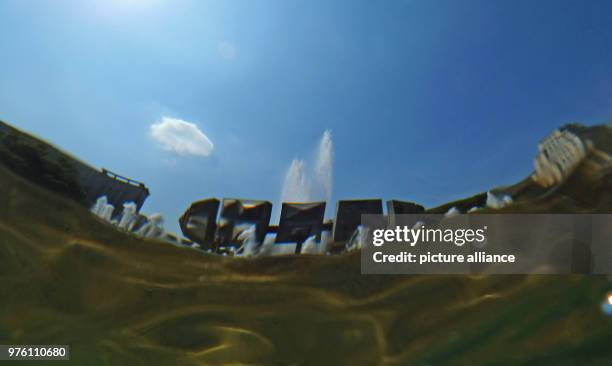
point(67, 278)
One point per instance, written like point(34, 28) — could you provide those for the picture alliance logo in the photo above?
point(420, 234)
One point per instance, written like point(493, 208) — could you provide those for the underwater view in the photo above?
point(209, 183)
point(69, 277)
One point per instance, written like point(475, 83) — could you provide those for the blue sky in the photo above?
point(426, 100)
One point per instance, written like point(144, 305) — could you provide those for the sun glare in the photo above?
point(122, 8)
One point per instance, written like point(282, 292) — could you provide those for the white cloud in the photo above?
point(181, 137)
point(227, 50)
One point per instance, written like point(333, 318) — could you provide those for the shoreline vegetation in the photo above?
point(38, 162)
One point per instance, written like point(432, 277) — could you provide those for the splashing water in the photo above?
point(103, 209)
point(128, 216)
point(324, 165)
point(314, 246)
point(100, 203)
point(496, 202)
point(453, 211)
point(296, 187)
point(268, 246)
point(358, 239)
point(250, 247)
point(154, 228)
point(303, 184)
point(311, 246)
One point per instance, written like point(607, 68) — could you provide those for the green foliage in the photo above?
point(37, 162)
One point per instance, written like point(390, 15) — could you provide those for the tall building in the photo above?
point(559, 154)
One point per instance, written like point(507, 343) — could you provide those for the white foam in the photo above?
point(248, 237)
point(453, 211)
point(495, 202)
point(128, 216)
point(358, 238)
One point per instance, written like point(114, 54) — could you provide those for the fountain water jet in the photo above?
point(315, 184)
